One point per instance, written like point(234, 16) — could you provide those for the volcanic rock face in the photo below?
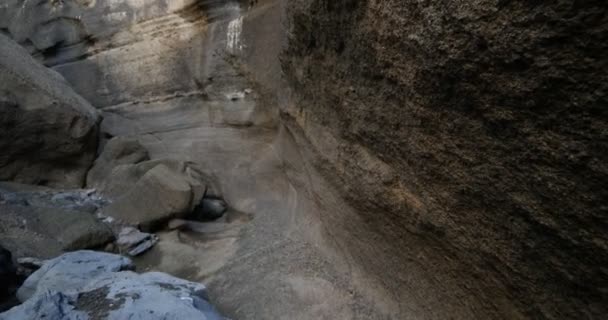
point(476, 129)
point(48, 131)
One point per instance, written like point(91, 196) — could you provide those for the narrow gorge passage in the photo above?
point(179, 80)
point(379, 159)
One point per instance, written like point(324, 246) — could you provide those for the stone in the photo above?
point(47, 232)
point(92, 285)
point(75, 200)
point(209, 209)
point(145, 193)
point(49, 133)
point(70, 272)
point(50, 305)
point(157, 197)
point(134, 242)
point(116, 152)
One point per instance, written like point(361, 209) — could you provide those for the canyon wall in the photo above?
point(400, 159)
point(476, 130)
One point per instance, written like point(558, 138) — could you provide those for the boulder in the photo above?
point(116, 152)
point(49, 133)
point(70, 272)
point(47, 232)
point(158, 196)
point(50, 305)
point(92, 285)
point(146, 193)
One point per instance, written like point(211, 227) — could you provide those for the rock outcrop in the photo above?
point(471, 136)
point(48, 131)
point(91, 285)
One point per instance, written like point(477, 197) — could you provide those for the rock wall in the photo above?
point(471, 138)
point(444, 159)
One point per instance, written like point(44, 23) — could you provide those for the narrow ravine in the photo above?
point(379, 159)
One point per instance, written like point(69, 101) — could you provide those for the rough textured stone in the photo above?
point(145, 192)
point(92, 285)
point(476, 128)
point(49, 132)
point(46, 232)
point(70, 272)
point(116, 152)
point(50, 305)
point(156, 198)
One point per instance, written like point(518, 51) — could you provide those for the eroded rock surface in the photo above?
point(48, 131)
point(474, 129)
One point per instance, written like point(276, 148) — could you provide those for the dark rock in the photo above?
point(8, 275)
point(48, 131)
point(209, 209)
point(10, 280)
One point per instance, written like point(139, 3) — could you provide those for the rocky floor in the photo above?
point(177, 83)
point(261, 262)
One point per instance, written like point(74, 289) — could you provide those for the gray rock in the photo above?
point(134, 242)
point(118, 151)
point(157, 197)
point(210, 209)
point(70, 272)
point(76, 200)
point(146, 193)
point(47, 232)
point(48, 131)
point(91, 285)
point(28, 265)
point(50, 305)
